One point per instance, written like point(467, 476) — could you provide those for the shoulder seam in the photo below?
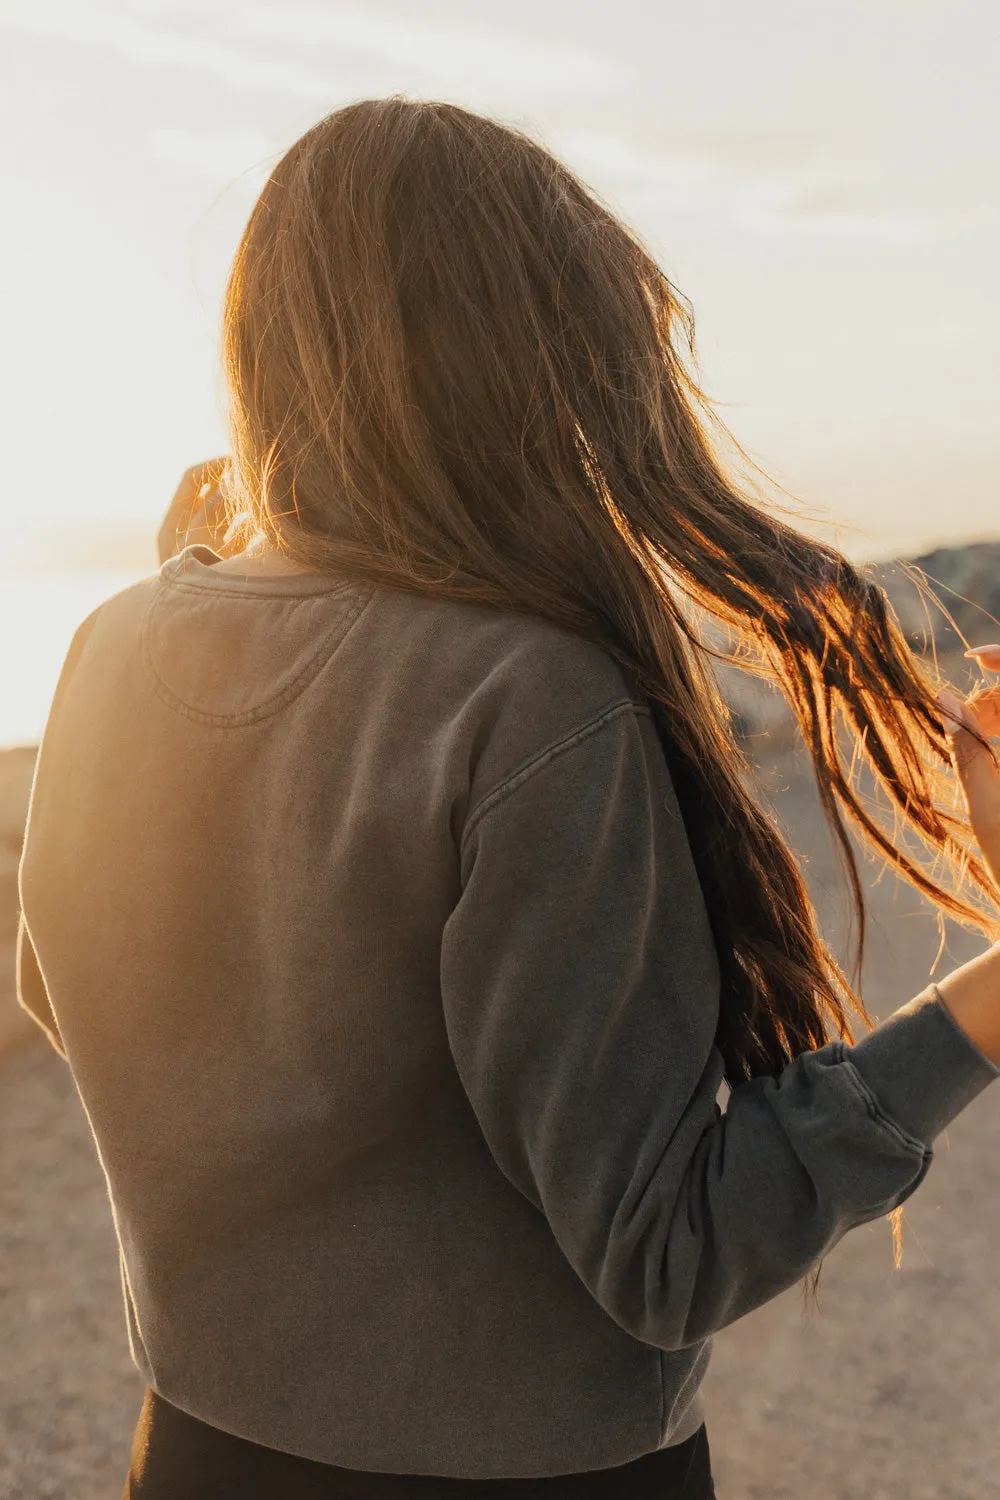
point(517, 778)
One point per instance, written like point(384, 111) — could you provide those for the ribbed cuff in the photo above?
point(921, 1067)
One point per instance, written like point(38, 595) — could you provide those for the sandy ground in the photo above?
point(888, 1393)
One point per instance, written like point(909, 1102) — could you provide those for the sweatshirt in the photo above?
point(368, 926)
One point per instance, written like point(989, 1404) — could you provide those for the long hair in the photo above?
point(453, 371)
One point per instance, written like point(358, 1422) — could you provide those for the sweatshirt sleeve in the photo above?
point(29, 984)
point(581, 998)
point(30, 990)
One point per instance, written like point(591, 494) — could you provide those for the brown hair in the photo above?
point(454, 372)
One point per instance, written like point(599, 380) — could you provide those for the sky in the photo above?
point(820, 180)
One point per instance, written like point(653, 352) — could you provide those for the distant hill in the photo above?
point(967, 582)
point(92, 546)
point(964, 579)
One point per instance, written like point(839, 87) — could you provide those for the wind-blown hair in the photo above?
point(453, 371)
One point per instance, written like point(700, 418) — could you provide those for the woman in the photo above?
point(392, 887)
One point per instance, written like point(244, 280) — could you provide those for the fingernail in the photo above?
point(975, 650)
point(950, 704)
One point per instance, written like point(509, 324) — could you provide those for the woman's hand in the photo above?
point(970, 993)
point(974, 766)
point(196, 513)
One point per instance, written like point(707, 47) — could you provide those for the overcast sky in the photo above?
point(820, 179)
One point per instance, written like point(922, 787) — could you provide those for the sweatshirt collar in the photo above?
point(196, 566)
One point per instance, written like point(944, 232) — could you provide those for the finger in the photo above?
point(987, 656)
point(984, 705)
point(974, 766)
point(208, 520)
point(192, 489)
point(195, 481)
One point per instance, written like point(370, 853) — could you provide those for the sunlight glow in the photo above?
point(830, 210)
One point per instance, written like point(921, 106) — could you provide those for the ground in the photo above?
point(888, 1392)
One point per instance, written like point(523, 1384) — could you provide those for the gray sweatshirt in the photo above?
point(369, 929)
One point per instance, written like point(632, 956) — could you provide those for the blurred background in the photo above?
point(821, 181)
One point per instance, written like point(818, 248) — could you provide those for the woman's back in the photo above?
point(277, 778)
point(391, 995)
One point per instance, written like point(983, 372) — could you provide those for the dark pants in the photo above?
point(177, 1457)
